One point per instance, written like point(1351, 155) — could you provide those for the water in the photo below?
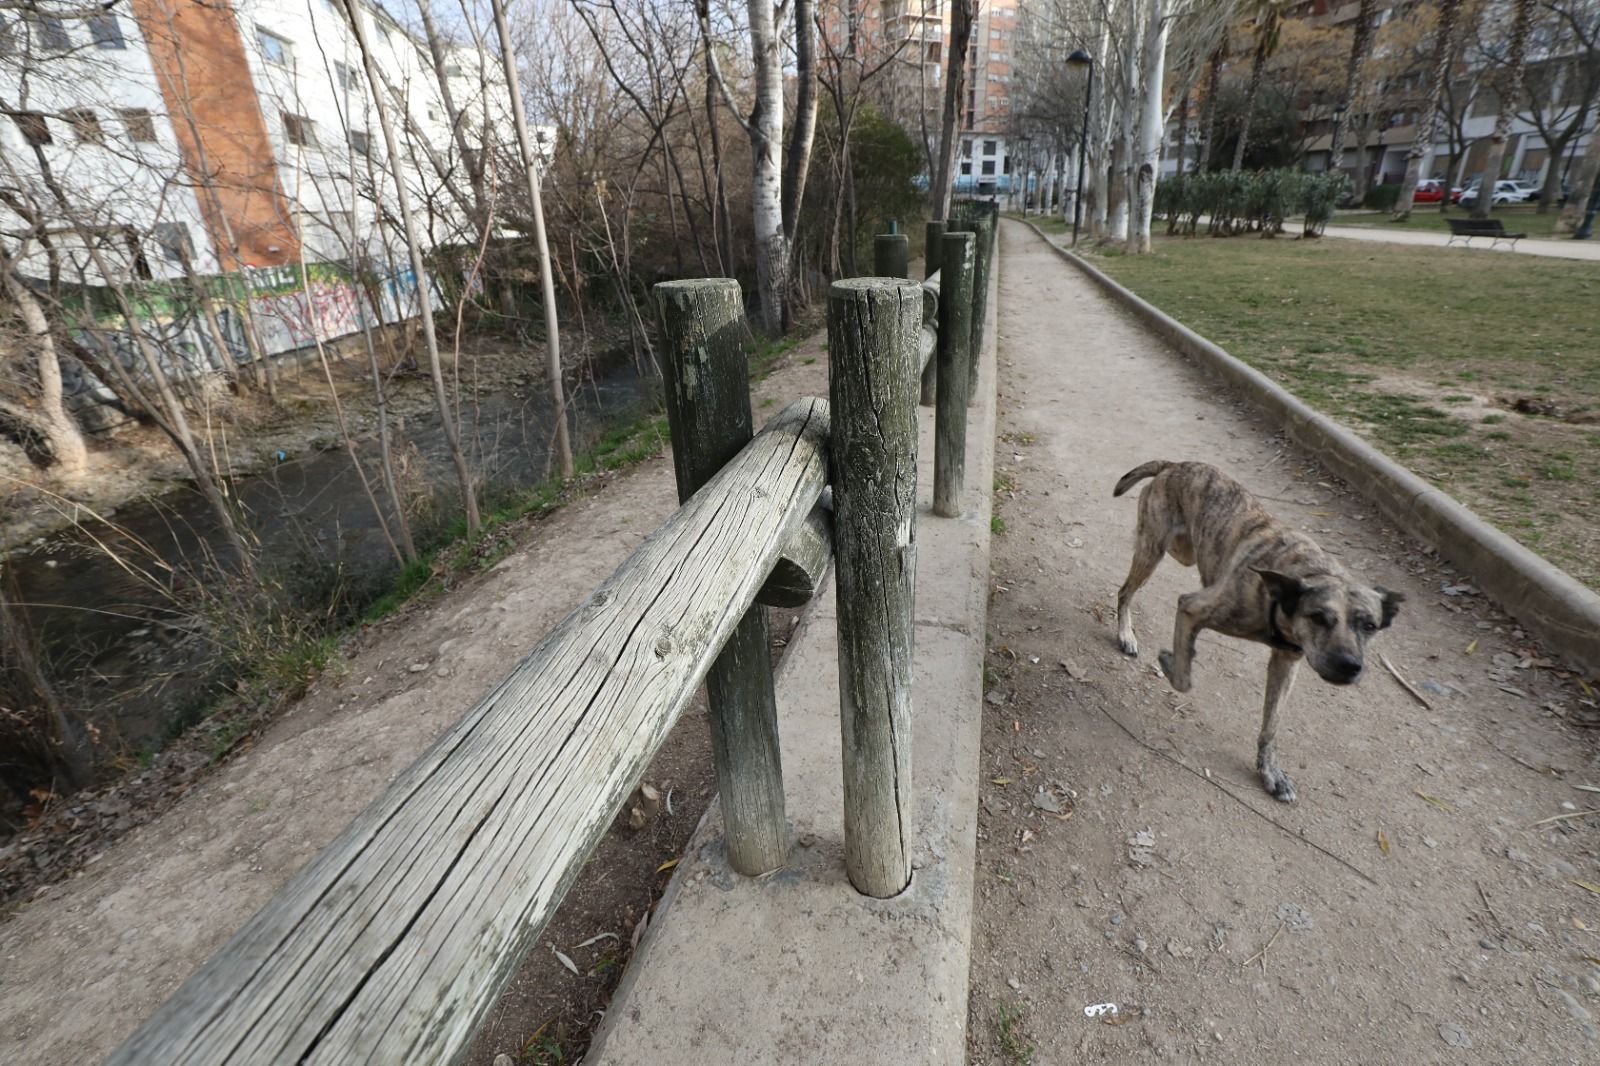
point(140, 666)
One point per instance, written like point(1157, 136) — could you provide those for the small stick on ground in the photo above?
point(1389, 666)
point(1562, 818)
point(1262, 954)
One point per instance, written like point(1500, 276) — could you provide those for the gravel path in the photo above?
point(1404, 910)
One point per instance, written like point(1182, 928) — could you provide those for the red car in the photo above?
point(1428, 192)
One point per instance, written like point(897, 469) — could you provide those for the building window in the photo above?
point(51, 33)
point(274, 49)
point(173, 240)
point(933, 51)
point(86, 126)
point(988, 167)
point(966, 149)
point(106, 32)
point(347, 78)
point(452, 70)
point(8, 37)
point(35, 130)
point(297, 129)
point(1005, 164)
point(988, 147)
point(966, 168)
point(383, 30)
point(361, 142)
point(140, 126)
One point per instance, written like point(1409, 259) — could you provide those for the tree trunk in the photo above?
point(1208, 110)
point(1257, 64)
point(962, 15)
point(766, 157)
point(1510, 96)
point(1360, 45)
point(1183, 134)
point(1582, 186)
point(1151, 128)
point(797, 163)
point(1428, 117)
point(552, 321)
point(69, 454)
point(419, 270)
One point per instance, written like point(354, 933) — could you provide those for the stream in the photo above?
point(123, 647)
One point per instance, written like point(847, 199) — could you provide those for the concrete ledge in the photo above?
point(1544, 598)
point(796, 966)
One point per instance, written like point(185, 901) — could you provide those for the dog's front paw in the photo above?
point(1129, 645)
point(1180, 684)
point(1277, 784)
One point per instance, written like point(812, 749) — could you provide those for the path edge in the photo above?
point(1551, 603)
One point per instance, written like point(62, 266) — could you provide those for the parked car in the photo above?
point(1428, 192)
point(1505, 192)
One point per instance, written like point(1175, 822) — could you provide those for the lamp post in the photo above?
point(1080, 58)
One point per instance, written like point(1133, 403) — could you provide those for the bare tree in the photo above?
point(1427, 125)
point(963, 16)
point(1510, 92)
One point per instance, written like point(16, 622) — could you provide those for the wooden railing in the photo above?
point(390, 945)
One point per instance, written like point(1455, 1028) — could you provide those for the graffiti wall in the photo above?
point(290, 311)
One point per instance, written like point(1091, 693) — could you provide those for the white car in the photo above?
point(1505, 192)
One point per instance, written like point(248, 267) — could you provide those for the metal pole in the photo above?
point(1083, 148)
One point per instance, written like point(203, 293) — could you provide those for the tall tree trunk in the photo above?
point(1152, 129)
point(1583, 182)
point(1510, 96)
point(1257, 64)
point(1182, 122)
point(419, 269)
point(1428, 117)
point(531, 165)
point(963, 13)
point(49, 418)
point(803, 132)
point(1360, 46)
point(766, 160)
point(1208, 109)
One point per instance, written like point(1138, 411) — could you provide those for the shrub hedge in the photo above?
point(1236, 202)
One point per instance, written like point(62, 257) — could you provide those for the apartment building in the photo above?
point(236, 136)
point(914, 89)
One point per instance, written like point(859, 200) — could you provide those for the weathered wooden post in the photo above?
point(707, 384)
point(873, 325)
point(951, 357)
point(983, 225)
point(931, 245)
point(891, 255)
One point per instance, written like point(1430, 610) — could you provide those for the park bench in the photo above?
point(1467, 228)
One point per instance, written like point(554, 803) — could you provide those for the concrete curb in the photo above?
point(1544, 598)
point(796, 966)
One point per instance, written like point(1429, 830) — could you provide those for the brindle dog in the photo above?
point(1263, 582)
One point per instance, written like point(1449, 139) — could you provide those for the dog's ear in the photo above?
point(1282, 588)
point(1391, 604)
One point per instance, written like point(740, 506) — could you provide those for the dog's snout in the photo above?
point(1346, 668)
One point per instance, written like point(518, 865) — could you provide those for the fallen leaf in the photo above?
point(1383, 842)
point(1588, 886)
point(664, 867)
point(1000, 780)
point(599, 937)
point(1434, 800)
point(1472, 647)
point(568, 963)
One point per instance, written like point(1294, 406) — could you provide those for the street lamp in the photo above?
point(1080, 58)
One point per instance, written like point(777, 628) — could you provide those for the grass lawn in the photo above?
point(1479, 372)
point(1427, 217)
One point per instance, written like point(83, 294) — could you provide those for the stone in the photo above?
point(1454, 1035)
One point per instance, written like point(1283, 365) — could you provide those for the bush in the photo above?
point(1236, 202)
point(1381, 197)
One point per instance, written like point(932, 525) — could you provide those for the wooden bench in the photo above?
point(1465, 229)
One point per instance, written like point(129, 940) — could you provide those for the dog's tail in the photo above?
point(1138, 474)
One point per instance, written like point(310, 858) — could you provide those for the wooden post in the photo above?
point(983, 225)
point(931, 250)
point(952, 357)
point(873, 325)
point(891, 255)
point(707, 385)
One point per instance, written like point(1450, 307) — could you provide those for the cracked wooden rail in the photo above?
point(390, 945)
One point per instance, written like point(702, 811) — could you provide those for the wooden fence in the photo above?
point(392, 944)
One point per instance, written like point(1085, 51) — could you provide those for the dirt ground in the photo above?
point(86, 960)
point(1410, 907)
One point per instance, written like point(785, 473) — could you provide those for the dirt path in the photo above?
point(85, 961)
point(1402, 911)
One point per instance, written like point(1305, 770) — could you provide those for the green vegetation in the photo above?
point(997, 524)
point(1427, 219)
point(1014, 1047)
point(1477, 371)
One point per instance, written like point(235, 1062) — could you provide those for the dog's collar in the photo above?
point(1275, 639)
